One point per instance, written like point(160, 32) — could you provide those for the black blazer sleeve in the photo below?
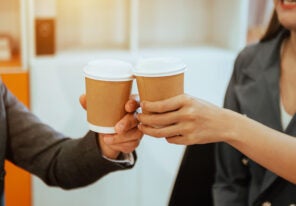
point(39, 149)
point(232, 177)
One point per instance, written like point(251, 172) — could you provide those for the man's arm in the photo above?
point(56, 159)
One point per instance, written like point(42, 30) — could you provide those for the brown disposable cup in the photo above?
point(108, 87)
point(160, 78)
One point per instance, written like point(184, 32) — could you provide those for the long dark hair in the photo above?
point(274, 27)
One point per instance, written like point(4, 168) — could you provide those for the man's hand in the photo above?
point(128, 135)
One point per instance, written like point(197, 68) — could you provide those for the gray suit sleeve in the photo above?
point(232, 177)
point(56, 159)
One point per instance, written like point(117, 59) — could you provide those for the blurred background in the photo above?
point(44, 45)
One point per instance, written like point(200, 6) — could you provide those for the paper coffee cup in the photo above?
point(108, 87)
point(159, 78)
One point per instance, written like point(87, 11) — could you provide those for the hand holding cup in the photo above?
point(128, 136)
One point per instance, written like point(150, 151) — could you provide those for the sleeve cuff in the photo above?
point(124, 159)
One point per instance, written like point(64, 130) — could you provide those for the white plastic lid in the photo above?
point(155, 67)
point(109, 70)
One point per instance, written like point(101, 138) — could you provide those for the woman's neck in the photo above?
point(292, 44)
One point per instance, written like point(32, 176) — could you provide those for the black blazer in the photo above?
point(254, 91)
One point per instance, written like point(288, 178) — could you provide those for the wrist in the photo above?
point(232, 128)
point(106, 150)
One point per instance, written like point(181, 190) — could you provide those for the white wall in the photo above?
point(92, 24)
point(56, 85)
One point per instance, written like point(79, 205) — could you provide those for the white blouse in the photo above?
point(285, 116)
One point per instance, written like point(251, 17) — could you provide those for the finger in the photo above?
point(132, 135)
point(82, 100)
point(167, 105)
point(158, 120)
point(168, 131)
point(128, 122)
point(132, 104)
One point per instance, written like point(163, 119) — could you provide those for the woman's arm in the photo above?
point(186, 120)
point(270, 148)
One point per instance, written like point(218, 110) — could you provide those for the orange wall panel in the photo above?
point(17, 181)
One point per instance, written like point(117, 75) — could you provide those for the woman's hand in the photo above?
point(184, 120)
point(128, 136)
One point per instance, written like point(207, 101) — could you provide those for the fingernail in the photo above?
point(131, 104)
point(141, 104)
point(130, 107)
point(108, 140)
